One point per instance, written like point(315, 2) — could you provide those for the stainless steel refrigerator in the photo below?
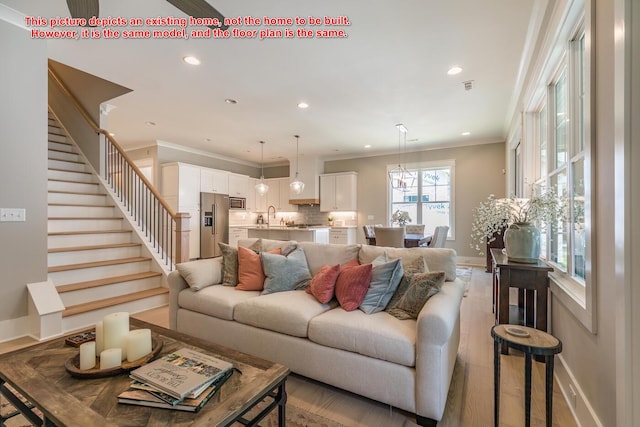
point(214, 223)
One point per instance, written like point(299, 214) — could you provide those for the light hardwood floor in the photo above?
point(470, 400)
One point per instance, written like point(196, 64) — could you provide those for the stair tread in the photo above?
point(75, 205)
point(70, 233)
point(68, 161)
point(60, 142)
point(106, 281)
point(67, 170)
point(56, 134)
point(108, 302)
point(96, 264)
point(82, 193)
point(76, 218)
point(54, 150)
point(72, 181)
point(92, 247)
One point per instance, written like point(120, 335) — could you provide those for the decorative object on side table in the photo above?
point(521, 219)
point(400, 217)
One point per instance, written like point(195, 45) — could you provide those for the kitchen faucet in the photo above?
point(268, 211)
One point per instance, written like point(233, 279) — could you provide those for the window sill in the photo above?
point(573, 296)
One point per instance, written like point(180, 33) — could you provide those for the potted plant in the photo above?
point(400, 217)
point(521, 219)
point(330, 219)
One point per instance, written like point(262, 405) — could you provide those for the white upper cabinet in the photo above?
point(181, 185)
point(238, 185)
point(278, 195)
point(214, 181)
point(338, 192)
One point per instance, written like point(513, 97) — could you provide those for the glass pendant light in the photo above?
point(401, 179)
point(261, 187)
point(296, 185)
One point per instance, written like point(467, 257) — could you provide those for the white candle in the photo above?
point(138, 344)
point(99, 338)
point(87, 355)
point(116, 327)
point(110, 358)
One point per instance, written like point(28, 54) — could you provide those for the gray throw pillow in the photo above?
point(385, 278)
point(285, 273)
point(422, 286)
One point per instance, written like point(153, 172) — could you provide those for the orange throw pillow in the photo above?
point(250, 274)
point(352, 286)
point(324, 282)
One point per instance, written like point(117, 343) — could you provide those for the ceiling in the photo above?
point(392, 68)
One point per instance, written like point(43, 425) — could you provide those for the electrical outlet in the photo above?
point(572, 396)
point(13, 215)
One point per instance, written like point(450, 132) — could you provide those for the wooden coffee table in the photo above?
point(38, 373)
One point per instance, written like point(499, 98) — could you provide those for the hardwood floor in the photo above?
point(470, 400)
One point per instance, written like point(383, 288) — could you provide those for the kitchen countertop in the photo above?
point(284, 227)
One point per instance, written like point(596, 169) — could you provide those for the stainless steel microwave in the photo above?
point(237, 203)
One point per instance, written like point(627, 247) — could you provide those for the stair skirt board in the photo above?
point(89, 238)
point(101, 272)
point(83, 296)
point(93, 255)
point(65, 211)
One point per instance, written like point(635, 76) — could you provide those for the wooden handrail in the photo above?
point(97, 129)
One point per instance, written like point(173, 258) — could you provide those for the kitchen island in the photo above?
point(317, 234)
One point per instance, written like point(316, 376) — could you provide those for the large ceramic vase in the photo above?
point(522, 243)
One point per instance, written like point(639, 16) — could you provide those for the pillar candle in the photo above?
point(87, 355)
point(110, 358)
point(116, 327)
point(138, 344)
point(99, 338)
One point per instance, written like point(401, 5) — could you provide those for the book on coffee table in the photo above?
point(182, 372)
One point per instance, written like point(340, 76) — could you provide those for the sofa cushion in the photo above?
point(377, 335)
point(287, 312)
point(201, 273)
point(385, 277)
point(438, 259)
point(217, 301)
point(319, 254)
point(323, 283)
point(352, 285)
point(250, 274)
point(285, 273)
point(422, 286)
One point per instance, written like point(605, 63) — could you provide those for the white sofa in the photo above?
point(404, 363)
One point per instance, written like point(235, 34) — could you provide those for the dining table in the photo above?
point(416, 240)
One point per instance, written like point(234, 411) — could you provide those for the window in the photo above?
point(429, 200)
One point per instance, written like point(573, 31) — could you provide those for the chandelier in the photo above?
point(261, 187)
point(401, 179)
point(296, 185)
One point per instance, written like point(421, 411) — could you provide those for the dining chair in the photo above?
point(439, 236)
point(414, 229)
point(369, 234)
point(390, 236)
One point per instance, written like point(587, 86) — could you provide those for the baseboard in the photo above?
point(471, 261)
point(14, 328)
point(577, 402)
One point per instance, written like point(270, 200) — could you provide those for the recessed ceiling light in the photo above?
point(191, 60)
point(454, 70)
point(466, 133)
point(150, 123)
point(367, 146)
point(207, 139)
point(230, 101)
point(303, 105)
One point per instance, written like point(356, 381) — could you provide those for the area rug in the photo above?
point(464, 274)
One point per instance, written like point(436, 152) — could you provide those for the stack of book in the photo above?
point(183, 380)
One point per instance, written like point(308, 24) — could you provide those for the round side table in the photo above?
point(532, 342)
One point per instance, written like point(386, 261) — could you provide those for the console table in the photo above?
point(532, 281)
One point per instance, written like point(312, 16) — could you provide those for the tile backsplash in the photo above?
point(306, 215)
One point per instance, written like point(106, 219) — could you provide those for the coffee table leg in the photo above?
point(496, 382)
point(282, 405)
point(527, 389)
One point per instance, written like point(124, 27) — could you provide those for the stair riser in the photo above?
point(71, 176)
point(54, 128)
point(95, 273)
point(58, 138)
point(94, 255)
point(80, 211)
point(55, 225)
point(53, 122)
point(78, 187)
point(108, 291)
point(75, 240)
point(61, 147)
point(79, 321)
point(77, 199)
point(64, 156)
point(60, 164)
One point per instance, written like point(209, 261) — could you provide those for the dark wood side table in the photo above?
point(532, 280)
point(536, 343)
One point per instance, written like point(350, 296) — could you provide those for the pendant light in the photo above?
point(401, 179)
point(296, 185)
point(261, 187)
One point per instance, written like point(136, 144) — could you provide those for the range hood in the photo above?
point(309, 170)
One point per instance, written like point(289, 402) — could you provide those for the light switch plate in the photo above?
point(12, 215)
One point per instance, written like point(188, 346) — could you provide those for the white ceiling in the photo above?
point(392, 68)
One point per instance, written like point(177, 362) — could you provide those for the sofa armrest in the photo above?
point(437, 340)
point(176, 284)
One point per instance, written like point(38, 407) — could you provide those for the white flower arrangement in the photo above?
point(400, 217)
point(495, 215)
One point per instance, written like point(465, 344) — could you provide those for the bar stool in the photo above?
point(532, 342)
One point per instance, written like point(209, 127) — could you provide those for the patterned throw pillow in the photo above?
point(285, 273)
point(422, 286)
point(411, 266)
point(352, 285)
point(323, 284)
point(230, 262)
point(385, 277)
point(250, 274)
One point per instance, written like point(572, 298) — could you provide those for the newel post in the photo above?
point(182, 237)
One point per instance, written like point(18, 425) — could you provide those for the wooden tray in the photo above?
point(72, 365)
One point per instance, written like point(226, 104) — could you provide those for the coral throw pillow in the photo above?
point(352, 286)
point(324, 282)
point(250, 274)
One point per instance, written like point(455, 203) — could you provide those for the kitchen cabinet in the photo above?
point(236, 234)
point(238, 185)
point(278, 195)
point(214, 181)
point(338, 192)
point(251, 194)
point(343, 236)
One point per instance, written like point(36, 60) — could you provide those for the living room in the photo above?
point(598, 358)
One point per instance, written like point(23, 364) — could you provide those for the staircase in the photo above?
point(95, 259)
